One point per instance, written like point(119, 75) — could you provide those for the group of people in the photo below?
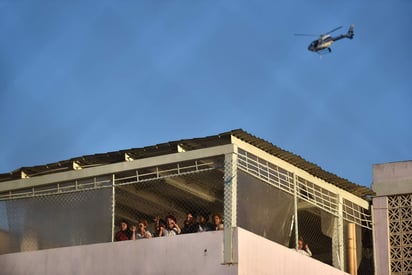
point(168, 227)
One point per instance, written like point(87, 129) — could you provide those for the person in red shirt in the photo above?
point(124, 233)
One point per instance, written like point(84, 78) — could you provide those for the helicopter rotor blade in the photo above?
point(335, 29)
point(305, 34)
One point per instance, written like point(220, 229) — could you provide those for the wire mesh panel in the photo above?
point(52, 221)
point(263, 209)
point(317, 195)
point(200, 193)
point(318, 230)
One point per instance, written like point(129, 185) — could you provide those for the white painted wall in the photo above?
point(257, 255)
point(392, 178)
point(199, 253)
point(184, 254)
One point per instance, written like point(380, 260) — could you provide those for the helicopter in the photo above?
point(322, 45)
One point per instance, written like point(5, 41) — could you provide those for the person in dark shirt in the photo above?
point(189, 225)
point(159, 226)
point(203, 225)
point(124, 233)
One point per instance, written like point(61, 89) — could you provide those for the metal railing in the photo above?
point(308, 191)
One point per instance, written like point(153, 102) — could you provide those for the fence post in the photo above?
point(230, 205)
point(113, 205)
point(338, 255)
point(295, 208)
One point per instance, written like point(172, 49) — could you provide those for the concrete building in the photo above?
point(392, 215)
point(61, 218)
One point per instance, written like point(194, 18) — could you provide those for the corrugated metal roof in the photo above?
point(298, 161)
point(190, 144)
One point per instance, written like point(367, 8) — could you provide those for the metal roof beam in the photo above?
point(115, 167)
point(197, 192)
point(151, 198)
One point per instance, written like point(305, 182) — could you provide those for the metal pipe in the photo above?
point(295, 200)
point(352, 261)
point(113, 205)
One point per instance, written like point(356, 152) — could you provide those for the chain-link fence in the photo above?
point(51, 221)
point(200, 194)
point(90, 210)
point(263, 209)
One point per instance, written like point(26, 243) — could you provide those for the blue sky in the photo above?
point(85, 77)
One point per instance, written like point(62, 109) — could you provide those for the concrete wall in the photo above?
point(185, 254)
point(392, 178)
point(256, 255)
point(199, 253)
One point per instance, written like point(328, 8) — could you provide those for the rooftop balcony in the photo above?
point(197, 253)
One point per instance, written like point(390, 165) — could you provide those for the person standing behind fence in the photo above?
point(124, 233)
point(304, 248)
point(189, 225)
point(217, 221)
point(141, 232)
point(172, 228)
point(158, 224)
point(203, 224)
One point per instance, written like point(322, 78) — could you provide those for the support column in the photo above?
point(381, 233)
point(113, 206)
point(230, 205)
point(338, 256)
point(295, 215)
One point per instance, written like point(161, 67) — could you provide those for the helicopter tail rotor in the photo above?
point(350, 33)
